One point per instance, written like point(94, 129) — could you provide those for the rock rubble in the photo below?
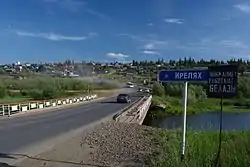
point(120, 144)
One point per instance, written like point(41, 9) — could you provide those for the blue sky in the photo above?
point(123, 30)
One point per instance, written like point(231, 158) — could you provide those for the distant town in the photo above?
point(70, 68)
point(67, 68)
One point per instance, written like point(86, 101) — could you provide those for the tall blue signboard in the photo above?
point(183, 75)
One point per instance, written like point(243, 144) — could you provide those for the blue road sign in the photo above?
point(183, 75)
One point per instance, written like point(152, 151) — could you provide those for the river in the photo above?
point(208, 121)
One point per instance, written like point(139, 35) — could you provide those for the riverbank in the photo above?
point(173, 106)
point(201, 149)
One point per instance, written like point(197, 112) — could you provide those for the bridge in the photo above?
point(34, 127)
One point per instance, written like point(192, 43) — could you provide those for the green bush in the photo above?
point(158, 90)
point(57, 83)
point(49, 87)
point(35, 94)
point(3, 91)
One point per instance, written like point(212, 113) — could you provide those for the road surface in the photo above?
point(27, 133)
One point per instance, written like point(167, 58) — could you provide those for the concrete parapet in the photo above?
point(136, 112)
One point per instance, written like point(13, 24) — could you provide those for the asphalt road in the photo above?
point(18, 133)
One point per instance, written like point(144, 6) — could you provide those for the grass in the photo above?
point(44, 88)
point(12, 99)
point(120, 78)
point(9, 99)
point(174, 106)
point(201, 149)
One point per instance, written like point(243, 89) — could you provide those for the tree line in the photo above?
point(197, 91)
point(244, 65)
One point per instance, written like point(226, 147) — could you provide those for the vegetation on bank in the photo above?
point(201, 149)
point(170, 95)
point(41, 88)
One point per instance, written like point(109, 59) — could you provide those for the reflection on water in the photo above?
point(209, 121)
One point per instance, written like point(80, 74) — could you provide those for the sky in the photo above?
point(123, 30)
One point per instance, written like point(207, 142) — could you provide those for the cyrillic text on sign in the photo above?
point(188, 75)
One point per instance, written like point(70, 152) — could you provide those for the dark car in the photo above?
point(123, 98)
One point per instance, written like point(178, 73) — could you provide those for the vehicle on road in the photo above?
point(123, 98)
point(130, 85)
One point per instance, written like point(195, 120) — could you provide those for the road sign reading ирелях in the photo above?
point(222, 81)
point(183, 75)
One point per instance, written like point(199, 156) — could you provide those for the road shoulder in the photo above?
point(108, 144)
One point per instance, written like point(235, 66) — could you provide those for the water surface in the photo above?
point(209, 121)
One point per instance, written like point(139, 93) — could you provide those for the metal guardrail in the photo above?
point(13, 108)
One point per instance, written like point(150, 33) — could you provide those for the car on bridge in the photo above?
point(140, 90)
point(123, 98)
point(130, 85)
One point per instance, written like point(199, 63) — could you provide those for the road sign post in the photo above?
point(185, 97)
point(222, 83)
point(183, 76)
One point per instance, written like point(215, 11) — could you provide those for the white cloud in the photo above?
point(77, 5)
point(243, 7)
point(155, 45)
point(150, 24)
point(150, 52)
point(146, 41)
point(174, 20)
point(232, 44)
point(98, 14)
point(149, 46)
point(134, 37)
point(116, 55)
point(53, 36)
point(214, 46)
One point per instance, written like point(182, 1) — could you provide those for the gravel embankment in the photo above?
point(120, 144)
point(109, 144)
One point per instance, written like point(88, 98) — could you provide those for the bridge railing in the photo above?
point(123, 111)
point(17, 107)
point(143, 110)
point(136, 112)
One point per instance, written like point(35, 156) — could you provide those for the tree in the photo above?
point(158, 90)
point(242, 69)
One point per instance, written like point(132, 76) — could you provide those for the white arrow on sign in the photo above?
point(166, 76)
